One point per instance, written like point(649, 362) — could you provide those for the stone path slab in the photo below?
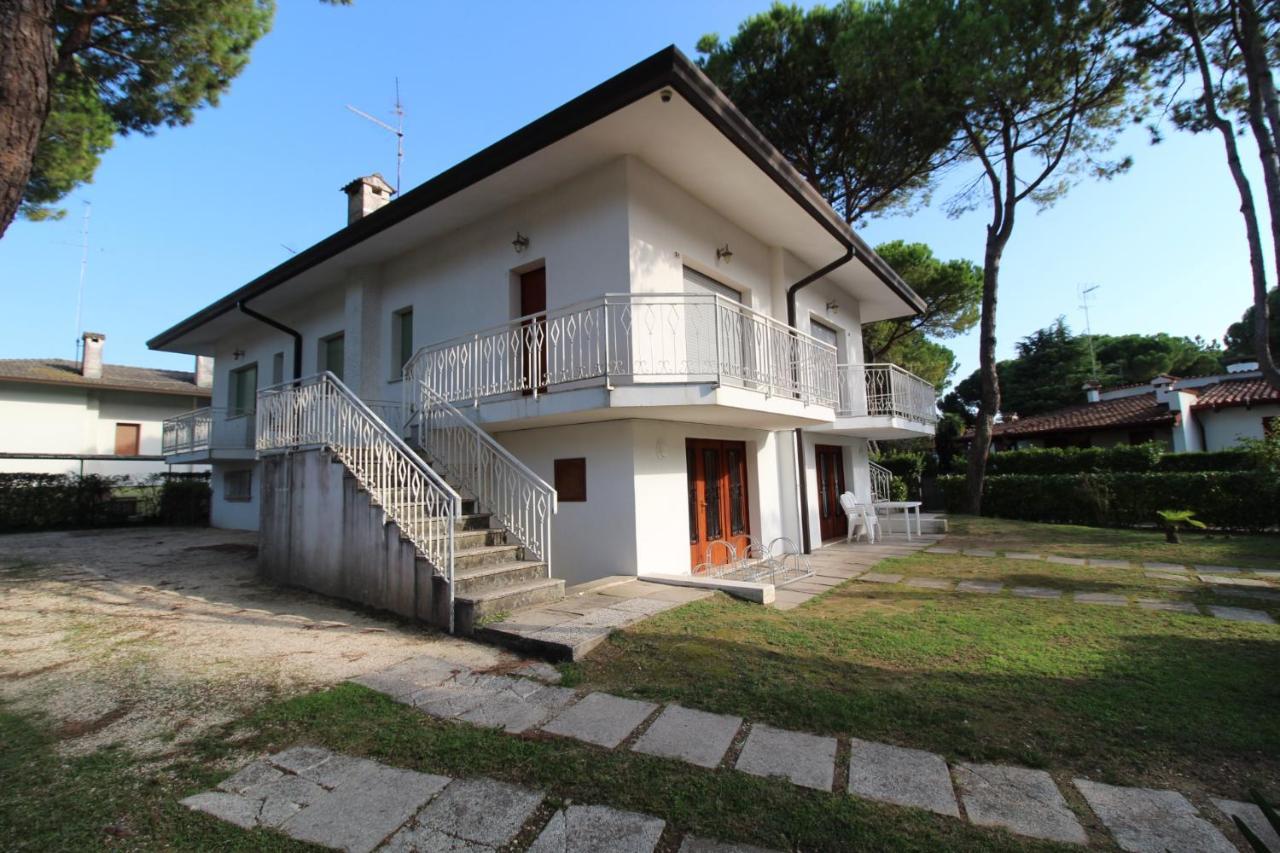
point(1166, 567)
point(1143, 820)
point(1170, 606)
point(880, 577)
point(1219, 570)
point(942, 549)
point(1234, 581)
point(1066, 561)
point(1110, 564)
point(979, 552)
point(982, 587)
point(693, 844)
point(805, 759)
point(688, 735)
point(598, 829)
point(1020, 800)
point(1108, 598)
point(930, 583)
point(1036, 592)
point(904, 777)
point(480, 810)
point(1253, 818)
point(365, 808)
point(1240, 614)
point(1165, 576)
point(601, 719)
point(1022, 555)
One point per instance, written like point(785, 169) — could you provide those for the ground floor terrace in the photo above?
point(1037, 682)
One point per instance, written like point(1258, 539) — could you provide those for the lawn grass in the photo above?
point(110, 800)
point(1069, 540)
point(1118, 694)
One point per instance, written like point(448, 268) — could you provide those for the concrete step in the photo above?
point(470, 609)
point(485, 555)
point(467, 539)
point(478, 579)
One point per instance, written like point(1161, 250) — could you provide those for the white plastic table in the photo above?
point(906, 507)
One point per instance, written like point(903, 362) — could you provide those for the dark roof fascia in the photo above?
point(666, 67)
point(108, 386)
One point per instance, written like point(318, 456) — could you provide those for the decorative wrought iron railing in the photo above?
point(518, 498)
point(631, 337)
point(881, 477)
point(319, 411)
point(885, 389)
point(206, 429)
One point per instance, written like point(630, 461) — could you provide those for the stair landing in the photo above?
point(568, 629)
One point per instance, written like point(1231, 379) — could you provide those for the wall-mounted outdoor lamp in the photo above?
point(238, 354)
point(723, 254)
point(520, 243)
point(833, 307)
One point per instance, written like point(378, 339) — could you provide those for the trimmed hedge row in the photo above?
point(62, 501)
point(1229, 500)
point(1131, 458)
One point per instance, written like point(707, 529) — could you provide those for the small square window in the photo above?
point(238, 485)
point(571, 480)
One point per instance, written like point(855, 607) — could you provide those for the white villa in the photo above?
point(624, 340)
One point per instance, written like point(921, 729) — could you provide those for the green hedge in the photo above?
point(907, 467)
point(1234, 500)
point(1122, 458)
point(62, 501)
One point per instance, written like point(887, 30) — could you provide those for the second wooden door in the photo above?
point(830, 464)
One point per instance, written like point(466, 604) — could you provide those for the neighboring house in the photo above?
point(59, 416)
point(1185, 414)
point(630, 330)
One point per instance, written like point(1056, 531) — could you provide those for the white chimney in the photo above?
point(1242, 367)
point(1092, 391)
point(204, 371)
point(1161, 385)
point(91, 359)
point(365, 195)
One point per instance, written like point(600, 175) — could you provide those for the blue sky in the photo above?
point(184, 216)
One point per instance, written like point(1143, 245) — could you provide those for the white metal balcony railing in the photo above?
point(206, 429)
point(319, 411)
point(518, 498)
point(631, 337)
point(885, 389)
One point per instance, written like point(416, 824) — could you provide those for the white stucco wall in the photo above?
point(1224, 428)
point(57, 419)
point(234, 515)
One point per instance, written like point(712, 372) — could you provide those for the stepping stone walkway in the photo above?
point(1253, 818)
point(1240, 614)
point(354, 804)
point(1147, 821)
point(1021, 800)
point(983, 587)
point(1036, 592)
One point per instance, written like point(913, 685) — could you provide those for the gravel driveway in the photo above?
point(147, 636)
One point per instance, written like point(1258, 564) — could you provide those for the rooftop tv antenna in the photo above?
point(398, 130)
point(1088, 329)
point(84, 268)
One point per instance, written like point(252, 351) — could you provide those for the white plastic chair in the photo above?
point(859, 515)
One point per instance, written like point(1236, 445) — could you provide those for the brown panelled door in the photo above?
point(718, 506)
point(533, 300)
point(127, 439)
point(831, 519)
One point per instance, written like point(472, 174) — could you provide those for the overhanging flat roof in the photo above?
point(376, 236)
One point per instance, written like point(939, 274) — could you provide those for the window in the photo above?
point(243, 391)
point(401, 340)
point(238, 485)
point(277, 368)
point(332, 354)
point(571, 480)
point(127, 437)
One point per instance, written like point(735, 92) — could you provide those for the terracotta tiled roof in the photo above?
point(1237, 392)
point(1138, 410)
point(59, 371)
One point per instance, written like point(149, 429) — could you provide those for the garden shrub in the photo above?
point(1231, 500)
point(907, 466)
point(184, 499)
point(62, 501)
point(1132, 458)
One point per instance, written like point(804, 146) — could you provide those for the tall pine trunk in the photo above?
point(27, 61)
point(989, 399)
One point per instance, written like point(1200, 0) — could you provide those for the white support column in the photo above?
point(1186, 432)
point(362, 314)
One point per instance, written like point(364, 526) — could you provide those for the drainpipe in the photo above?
point(276, 324)
point(802, 474)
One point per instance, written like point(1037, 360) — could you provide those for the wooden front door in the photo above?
point(718, 507)
point(533, 300)
point(831, 518)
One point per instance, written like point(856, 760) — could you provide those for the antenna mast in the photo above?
point(1088, 329)
point(84, 267)
point(398, 130)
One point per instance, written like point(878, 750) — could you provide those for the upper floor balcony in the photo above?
point(668, 356)
point(203, 435)
point(883, 401)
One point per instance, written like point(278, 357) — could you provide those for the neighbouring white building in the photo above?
point(625, 339)
point(1186, 414)
point(59, 416)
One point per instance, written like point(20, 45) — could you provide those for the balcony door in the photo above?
point(533, 331)
point(718, 506)
point(732, 353)
point(831, 518)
